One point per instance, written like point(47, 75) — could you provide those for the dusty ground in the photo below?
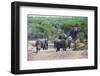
point(52, 54)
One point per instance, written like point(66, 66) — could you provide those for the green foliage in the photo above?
point(68, 23)
point(51, 26)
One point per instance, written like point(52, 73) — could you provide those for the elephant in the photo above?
point(41, 43)
point(60, 43)
point(74, 33)
point(63, 43)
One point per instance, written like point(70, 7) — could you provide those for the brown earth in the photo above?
point(52, 54)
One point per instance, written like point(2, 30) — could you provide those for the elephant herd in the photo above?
point(62, 41)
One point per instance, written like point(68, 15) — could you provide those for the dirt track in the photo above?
point(51, 55)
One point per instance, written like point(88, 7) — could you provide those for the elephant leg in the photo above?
point(69, 46)
point(64, 49)
point(58, 49)
point(44, 48)
point(37, 50)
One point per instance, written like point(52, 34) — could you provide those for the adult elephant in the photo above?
point(74, 33)
point(62, 42)
point(41, 43)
